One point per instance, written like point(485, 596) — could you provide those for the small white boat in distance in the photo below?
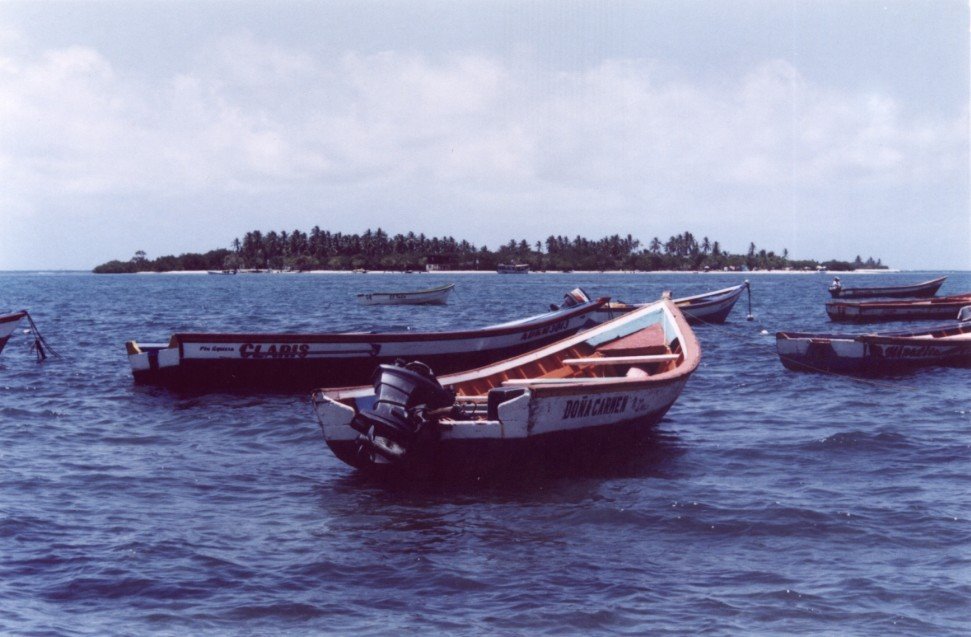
point(432, 296)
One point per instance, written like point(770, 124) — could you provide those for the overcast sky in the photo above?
point(828, 128)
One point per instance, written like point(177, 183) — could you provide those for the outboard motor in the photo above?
point(965, 313)
point(399, 419)
point(575, 297)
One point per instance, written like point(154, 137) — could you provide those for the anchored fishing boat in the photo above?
point(301, 362)
point(575, 394)
point(8, 323)
point(878, 353)
point(917, 290)
point(432, 296)
point(710, 307)
point(940, 308)
point(513, 268)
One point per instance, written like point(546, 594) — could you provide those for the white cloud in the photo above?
point(618, 138)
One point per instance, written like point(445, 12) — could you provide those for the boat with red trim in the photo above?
point(916, 290)
point(878, 353)
point(579, 394)
point(301, 362)
point(941, 308)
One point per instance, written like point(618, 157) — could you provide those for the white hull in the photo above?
point(535, 413)
point(306, 361)
point(437, 296)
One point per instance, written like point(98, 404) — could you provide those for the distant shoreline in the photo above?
point(557, 272)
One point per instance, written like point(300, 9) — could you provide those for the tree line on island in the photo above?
point(376, 250)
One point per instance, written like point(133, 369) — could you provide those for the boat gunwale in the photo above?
point(690, 348)
point(690, 359)
point(382, 337)
point(12, 317)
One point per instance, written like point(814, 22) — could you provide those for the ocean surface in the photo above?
point(767, 502)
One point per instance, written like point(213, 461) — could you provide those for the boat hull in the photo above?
point(940, 309)
point(873, 354)
point(539, 430)
point(437, 296)
point(303, 362)
point(565, 451)
point(926, 289)
point(8, 323)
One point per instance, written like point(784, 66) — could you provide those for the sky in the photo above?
point(828, 128)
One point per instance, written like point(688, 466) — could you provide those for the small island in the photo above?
point(376, 250)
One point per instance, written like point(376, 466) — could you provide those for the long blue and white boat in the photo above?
point(197, 361)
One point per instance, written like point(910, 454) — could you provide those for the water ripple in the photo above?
point(766, 502)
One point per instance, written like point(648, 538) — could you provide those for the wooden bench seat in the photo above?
point(649, 340)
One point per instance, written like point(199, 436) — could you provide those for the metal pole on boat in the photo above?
point(748, 287)
point(40, 343)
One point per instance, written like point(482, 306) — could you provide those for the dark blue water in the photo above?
point(768, 502)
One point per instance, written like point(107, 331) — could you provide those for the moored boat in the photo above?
point(710, 307)
point(513, 268)
point(431, 296)
point(619, 377)
point(878, 353)
point(221, 271)
point(302, 362)
point(917, 290)
point(9, 323)
point(939, 309)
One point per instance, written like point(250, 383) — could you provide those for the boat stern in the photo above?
point(151, 360)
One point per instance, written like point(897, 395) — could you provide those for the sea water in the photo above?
point(766, 502)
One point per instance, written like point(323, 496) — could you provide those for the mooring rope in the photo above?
point(40, 343)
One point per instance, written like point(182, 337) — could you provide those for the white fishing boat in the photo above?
point(710, 307)
point(263, 361)
point(878, 352)
point(432, 296)
point(577, 393)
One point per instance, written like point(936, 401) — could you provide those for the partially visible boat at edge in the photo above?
point(578, 394)
point(8, 323)
point(301, 362)
point(940, 308)
point(878, 353)
point(432, 296)
point(917, 290)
